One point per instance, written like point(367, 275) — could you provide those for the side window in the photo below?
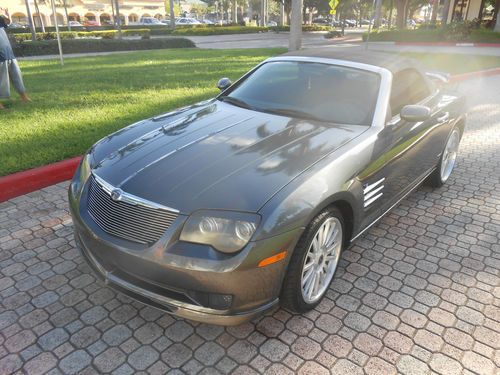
point(408, 87)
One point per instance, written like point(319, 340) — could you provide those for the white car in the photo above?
point(187, 21)
point(149, 21)
point(74, 24)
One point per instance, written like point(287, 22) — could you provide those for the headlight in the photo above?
point(81, 176)
point(225, 231)
point(85, 169)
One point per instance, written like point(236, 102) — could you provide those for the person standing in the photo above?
point(9, 68)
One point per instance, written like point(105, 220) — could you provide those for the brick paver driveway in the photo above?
point(419, 293)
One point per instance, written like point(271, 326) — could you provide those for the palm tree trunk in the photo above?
point(39, 16)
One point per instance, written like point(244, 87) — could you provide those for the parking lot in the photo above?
point(418, 293)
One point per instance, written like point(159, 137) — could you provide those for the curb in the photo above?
point(447, 44)
point(24, 182)
point(435, 44)
point(480, 73)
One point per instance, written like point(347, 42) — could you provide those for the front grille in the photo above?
point(133, 222)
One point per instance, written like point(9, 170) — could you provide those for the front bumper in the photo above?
point(169, 305)
point(180, 278)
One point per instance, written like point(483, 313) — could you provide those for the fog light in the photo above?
point(220, 301)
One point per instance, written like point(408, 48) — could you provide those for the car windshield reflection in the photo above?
point(308, 90)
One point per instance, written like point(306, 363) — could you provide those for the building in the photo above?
point(468, 10)
point(82, 10)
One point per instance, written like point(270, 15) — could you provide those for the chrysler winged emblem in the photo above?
point(116, 194)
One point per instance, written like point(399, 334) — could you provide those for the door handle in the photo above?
point(443, 118)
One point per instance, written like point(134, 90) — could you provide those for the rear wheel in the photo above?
point(314, 262)
point(447, 161)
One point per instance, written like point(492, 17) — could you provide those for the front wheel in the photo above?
point(447, 161)
point(314, 262)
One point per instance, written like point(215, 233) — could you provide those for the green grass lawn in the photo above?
point(88, 98)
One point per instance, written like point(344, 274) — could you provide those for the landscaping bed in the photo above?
point(103, 34)
point(50, 47)
point(437, 35)
point(165, 30)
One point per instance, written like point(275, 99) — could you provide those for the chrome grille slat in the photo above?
point(137, 223)
point(107, 220)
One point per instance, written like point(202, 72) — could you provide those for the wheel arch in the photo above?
point(345, 203)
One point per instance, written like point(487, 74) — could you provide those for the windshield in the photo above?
point(315, 91)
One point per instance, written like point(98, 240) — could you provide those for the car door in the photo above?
point(411, 151)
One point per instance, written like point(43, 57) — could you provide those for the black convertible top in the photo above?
point(390, 61)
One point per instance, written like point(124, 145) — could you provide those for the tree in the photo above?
point(496, 12)
point(401, 9)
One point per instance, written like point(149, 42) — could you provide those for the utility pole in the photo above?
point(30, 20)
point(296, 26)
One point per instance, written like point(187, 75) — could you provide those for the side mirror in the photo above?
point(223, 84)
point(415, 113)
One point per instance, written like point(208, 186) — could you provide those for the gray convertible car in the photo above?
point(219, 211)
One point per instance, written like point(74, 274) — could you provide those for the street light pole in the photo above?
point(296, 26)
point(57, 32)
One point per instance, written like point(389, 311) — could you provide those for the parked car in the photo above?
point(321, 21)
point(208, 22)
point(351, 23)
point(219, 211)
point(17, 25)
point(148, 21)
point(187, 21)
point(271, 24)
point(75, 25)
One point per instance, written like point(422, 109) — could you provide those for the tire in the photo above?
point(324, 263)
point(445, 166)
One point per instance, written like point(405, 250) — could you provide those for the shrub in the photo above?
point(306, 28)
point(459, 31)
point(465, 31)
point(49, 47)
point(485, 36)
point(104, 34)
point(333, 34)
point(218, 30)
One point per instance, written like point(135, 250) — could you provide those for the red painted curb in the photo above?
point(480, 73)
point(25, 182)
point(20, 183)
point(447, 44)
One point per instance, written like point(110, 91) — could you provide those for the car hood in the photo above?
point(214, 155)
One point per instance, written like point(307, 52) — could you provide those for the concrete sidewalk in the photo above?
point(419, 293)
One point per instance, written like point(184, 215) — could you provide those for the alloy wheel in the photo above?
point(321, 260)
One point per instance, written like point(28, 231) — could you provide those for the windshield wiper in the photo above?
point(235, 101)
point(293, 113)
